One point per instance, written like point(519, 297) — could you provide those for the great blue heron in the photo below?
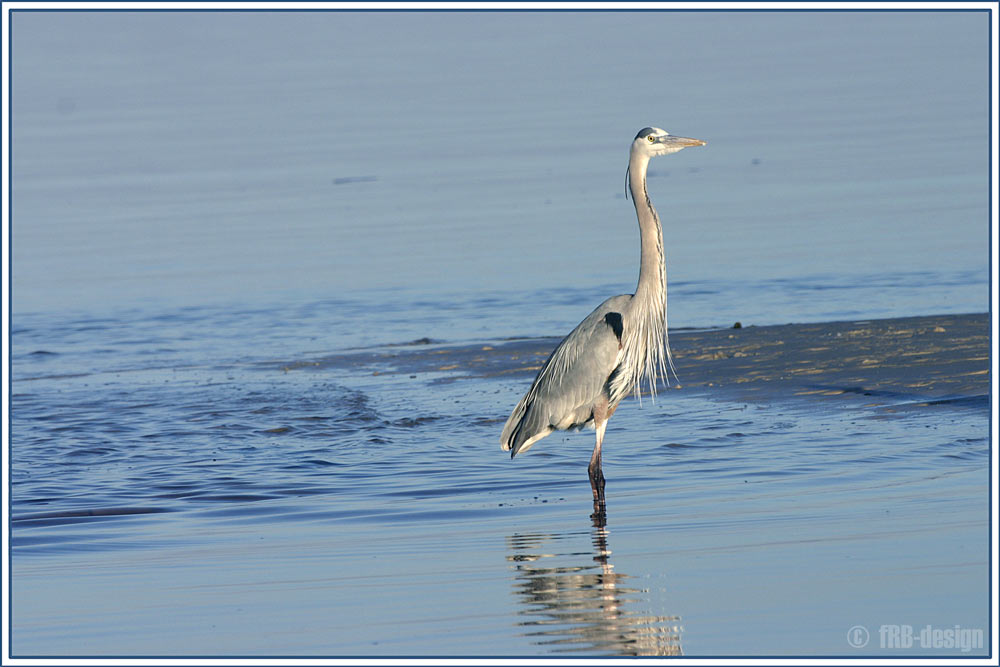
point(623, 341)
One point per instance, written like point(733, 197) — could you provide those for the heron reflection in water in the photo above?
point(616, 347)
point(572, 605)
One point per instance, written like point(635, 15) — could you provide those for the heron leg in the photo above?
point(596, 474)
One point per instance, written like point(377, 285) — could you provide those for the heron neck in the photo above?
point(652, 271)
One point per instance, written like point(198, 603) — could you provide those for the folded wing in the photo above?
point(573, 379)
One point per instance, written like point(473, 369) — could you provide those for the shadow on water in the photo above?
point(574, 601)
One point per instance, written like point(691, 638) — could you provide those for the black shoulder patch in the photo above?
point(614, 320)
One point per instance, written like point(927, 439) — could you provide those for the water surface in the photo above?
point(189, 158)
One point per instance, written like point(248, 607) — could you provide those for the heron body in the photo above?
point(620, 344)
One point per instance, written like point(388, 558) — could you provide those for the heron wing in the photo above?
point(571, 380)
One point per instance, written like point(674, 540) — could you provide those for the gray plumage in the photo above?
point(622, 342)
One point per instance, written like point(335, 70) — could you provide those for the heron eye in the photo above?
point(651, 138)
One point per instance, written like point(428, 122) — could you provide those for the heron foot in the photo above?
point(600, 515)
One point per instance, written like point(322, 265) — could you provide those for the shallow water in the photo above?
point(306, 506)
point(199, 236)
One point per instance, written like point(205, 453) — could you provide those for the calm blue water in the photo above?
point(206, 204)
point(181, 159)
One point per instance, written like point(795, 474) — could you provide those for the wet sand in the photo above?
point(935, 359)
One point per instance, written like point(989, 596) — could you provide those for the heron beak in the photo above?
point(681, 142)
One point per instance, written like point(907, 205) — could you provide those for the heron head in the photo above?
point(653, 141)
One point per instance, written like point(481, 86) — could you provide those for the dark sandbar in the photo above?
point(941, 358)
point(934, 358)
